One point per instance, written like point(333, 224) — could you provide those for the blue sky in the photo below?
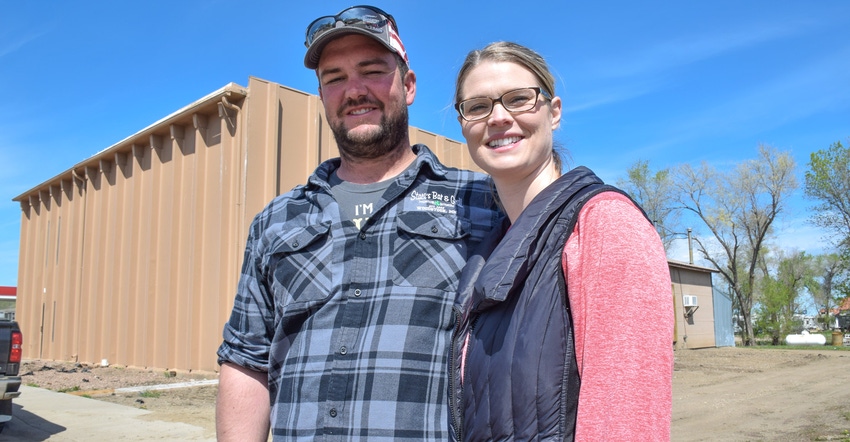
point(668, 82)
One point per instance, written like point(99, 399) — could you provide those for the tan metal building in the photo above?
point(133, 255)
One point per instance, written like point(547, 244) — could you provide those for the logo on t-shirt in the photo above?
point(362, 213)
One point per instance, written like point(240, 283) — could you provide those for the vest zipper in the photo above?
point(454, 378)
point(455, 383)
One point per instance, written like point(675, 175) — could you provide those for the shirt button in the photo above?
point(343, 350)
point(433, 229)
point(362, 235)
point(332, 412)
point(357, 293)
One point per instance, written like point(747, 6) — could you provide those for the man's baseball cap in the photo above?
point(365, 20)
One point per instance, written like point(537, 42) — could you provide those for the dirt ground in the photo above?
point(761, 394)
point(729, 394)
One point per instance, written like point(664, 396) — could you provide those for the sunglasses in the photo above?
point(364, 17)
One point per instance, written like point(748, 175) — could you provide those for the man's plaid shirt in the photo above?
point(353, 325)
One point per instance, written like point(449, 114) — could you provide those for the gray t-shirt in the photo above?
point(357, 201)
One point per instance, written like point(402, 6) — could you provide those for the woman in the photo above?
point(565, 321)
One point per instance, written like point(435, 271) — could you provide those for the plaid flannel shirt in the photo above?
point(353, 325)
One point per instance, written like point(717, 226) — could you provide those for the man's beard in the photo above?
point(388, 137)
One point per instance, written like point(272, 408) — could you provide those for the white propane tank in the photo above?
point(806, 338)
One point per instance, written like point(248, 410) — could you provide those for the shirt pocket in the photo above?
point(302, 264)
point(430, 250)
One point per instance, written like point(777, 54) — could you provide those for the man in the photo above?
point(342, 317)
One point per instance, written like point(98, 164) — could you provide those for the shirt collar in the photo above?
point(424, 156)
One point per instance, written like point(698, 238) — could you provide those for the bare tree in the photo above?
point(653, 190)
point(738, 208)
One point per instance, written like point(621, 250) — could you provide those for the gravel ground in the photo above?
point(76, 377)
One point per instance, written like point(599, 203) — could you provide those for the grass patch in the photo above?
point(33, 384)
point(68, 390)
point(801, 347)
point(150, 394)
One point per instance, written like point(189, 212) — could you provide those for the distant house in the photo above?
point(810, 323)
point(839, 315)
point(703, 315)
point(842, 318)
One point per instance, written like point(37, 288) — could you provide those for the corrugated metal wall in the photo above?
point(724, 329)
point(133, 255)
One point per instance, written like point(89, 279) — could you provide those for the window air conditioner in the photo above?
point(689, 301)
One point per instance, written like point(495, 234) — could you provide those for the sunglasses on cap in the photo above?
point(364, 17)
point(365, 20)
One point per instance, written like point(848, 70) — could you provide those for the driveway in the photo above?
point(40, 414)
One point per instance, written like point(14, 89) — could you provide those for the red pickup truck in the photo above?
point(11, 344)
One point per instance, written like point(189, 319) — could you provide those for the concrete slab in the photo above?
point(40, 415)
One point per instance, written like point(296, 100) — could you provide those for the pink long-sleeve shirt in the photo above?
point(622, 312)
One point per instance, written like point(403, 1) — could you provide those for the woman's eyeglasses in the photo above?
point(517, 100)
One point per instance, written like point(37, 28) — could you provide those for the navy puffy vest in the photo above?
point(521, 382)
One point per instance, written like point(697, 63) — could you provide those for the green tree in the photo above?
point(828, 182)
point(738, 208)
point(654, 191)
point(828, 284)
point(779, 294)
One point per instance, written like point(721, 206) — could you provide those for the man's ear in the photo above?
point(409, 82)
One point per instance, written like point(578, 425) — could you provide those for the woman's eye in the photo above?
point(519, 100)
point(477, 110)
